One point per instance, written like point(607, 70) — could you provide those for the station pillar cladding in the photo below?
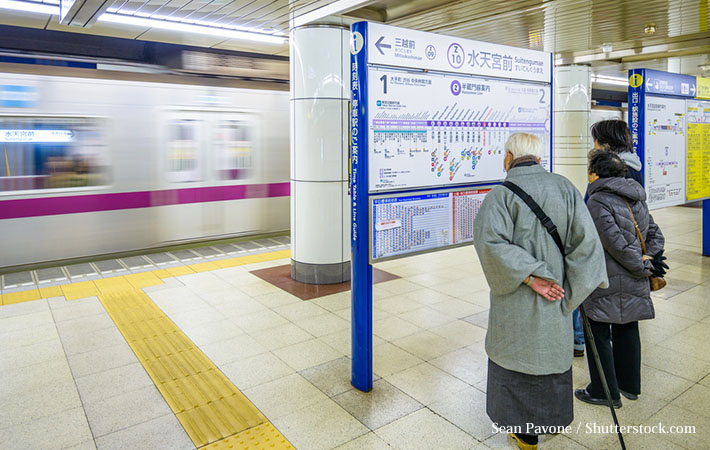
point(572, 139)
point(320, 206)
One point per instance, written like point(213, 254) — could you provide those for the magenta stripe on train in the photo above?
point(50, 206)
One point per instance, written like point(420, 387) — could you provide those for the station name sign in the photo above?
point(398, 47)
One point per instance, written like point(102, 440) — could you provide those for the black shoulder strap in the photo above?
point(544, 218)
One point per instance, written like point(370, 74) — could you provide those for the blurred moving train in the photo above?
point(91, 166)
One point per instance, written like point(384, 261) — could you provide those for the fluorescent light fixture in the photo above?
point(609, 80)
point(336, 7)
point(36, 136)
point(606, 48)
point(190, 28)
point(34, 7)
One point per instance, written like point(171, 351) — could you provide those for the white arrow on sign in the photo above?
point(692, 89)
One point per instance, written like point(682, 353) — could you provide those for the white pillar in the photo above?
point(320, 207)
point(572, 109)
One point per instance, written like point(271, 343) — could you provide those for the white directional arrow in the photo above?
point(649, 85)
point(692, 90)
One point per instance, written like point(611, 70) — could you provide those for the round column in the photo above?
point(572, 108)
point(320, 207)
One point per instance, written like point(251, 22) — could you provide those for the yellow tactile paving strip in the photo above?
point(214, 413)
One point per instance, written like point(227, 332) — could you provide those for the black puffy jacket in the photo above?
point(628, 296)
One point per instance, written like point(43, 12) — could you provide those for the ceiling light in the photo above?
point(190, 28)
point(606, 48)
point(609, 80)
point(704, 66)
point(29, 7)
point(650, 28)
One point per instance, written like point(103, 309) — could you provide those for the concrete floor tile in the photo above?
point(29, 355)
point(457, 308)
point(256, 370)
point(332, 377)
point(28, 336)
point(281, 336)
point(85, 325)
point(426, 345)
point(334, 302)
point(110, 383)
point(467, 410)
point(78, 342)
point(28, 405)
point(382, 405)
point(239, 347)
point(426, 384)
point(695, 438)
point(25, 321)
point(321, 426)
point(307, 354)
point(463, 364)
point(342, 341)
point(196, 317)
point(393, 327)
point(125, 410)
point(284, 396)
point(460, 332)
point(207, 333)
point(696, 400)
point(24, 308)
point(75, 309)
point(300, 311)
point(425, 430)
point(678, 364)
point(258, 321)
point(163, 433)
point(369, 441)
point(100, 360)
point(66, 429)
point(26, 380)
point(389, 359)
point(276, 299)
point(323, 324)
point(480, 319)
point(241, 307)
point(86, 445)
point(396, 304)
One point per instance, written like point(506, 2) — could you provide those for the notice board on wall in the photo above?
point(698, 150)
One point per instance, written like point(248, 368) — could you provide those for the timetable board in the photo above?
point(665, 151)
point(440, 130)
point(409, 224)
point(698, 149)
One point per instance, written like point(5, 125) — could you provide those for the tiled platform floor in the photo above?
point(68, 379)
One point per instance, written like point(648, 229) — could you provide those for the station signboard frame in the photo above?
point(462, 133)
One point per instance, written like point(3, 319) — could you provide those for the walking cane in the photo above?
point(602, 375)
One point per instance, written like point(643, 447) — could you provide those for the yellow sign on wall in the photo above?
point(698, 150)
point(635, 80)
point(703, 86)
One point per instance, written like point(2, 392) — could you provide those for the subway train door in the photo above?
point(235, 172)
point(183, 172)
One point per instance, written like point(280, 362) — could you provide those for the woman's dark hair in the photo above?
point(614, 135)
point(606, 164)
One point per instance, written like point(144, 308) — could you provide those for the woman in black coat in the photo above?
point(614, 312)
point(615, 136)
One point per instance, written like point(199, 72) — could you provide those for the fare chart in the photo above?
point(665, 151)
point(442, 130)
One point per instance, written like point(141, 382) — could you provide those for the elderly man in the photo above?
point(534, 290)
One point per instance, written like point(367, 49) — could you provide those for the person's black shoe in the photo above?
point(578, 353)
point(629, 395)
point(584, 396)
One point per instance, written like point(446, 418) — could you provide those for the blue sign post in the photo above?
point(429, 118)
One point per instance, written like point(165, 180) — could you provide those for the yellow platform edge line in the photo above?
point(260, 437)
point(205, 402)
point(92, 288)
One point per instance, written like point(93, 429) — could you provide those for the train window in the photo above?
point(183, 150)
point(52, 153)
point(235, 145)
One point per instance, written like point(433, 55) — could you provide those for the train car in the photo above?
point(91, 166)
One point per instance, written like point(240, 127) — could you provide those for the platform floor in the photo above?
point(208, 355)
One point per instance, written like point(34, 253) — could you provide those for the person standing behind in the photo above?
point(617, 206)
point(615, 136)
point(534, 290)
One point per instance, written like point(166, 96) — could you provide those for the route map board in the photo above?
point(442, 129)
point(417, 223)
point(698, 150)
point(665, 151)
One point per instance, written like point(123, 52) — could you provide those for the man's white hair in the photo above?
point(524, 144)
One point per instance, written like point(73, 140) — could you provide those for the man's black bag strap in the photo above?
point(544, 218)
point(552, 229)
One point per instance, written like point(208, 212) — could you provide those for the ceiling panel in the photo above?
point(23, 19)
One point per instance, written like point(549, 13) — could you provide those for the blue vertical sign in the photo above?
point(361, 269)
point(636, 113)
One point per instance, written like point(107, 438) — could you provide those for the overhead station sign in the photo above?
point(399, 47)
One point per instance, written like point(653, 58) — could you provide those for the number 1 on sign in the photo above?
point(383, 79)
